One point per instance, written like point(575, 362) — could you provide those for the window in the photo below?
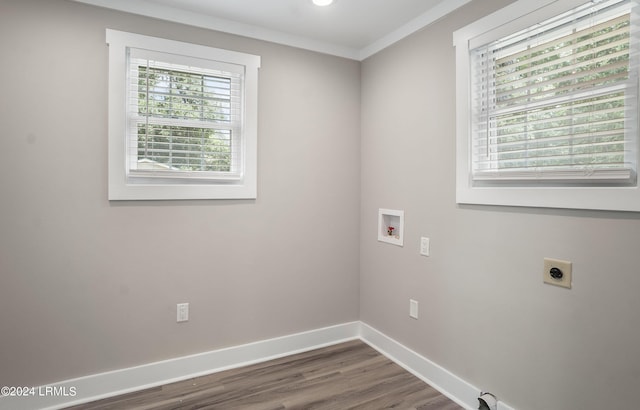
point(547, 102)
point(182, 120)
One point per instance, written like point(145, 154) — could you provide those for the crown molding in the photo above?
point(176, 15)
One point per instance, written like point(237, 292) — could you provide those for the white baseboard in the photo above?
point(109, 384)
point(436, 376)
point(447, 383)
point(102, 385)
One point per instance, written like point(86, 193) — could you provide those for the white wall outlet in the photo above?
point(424, 246)
point(557, 272)
point(183, 312)
point(413, 308)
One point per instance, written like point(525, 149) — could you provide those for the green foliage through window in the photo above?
point(184, 121)
point(555, 97)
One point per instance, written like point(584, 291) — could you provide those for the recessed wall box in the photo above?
point(391, 226)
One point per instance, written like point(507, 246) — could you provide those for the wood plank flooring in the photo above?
point(349, 375)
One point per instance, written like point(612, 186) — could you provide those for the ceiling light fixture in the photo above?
point(322, 2)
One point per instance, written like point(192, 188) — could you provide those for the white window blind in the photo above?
point(184, 120)
point(557, 102)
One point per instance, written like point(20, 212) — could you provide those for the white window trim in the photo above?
point(122, 188)
point(510, 19)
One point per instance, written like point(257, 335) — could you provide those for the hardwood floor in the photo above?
point(349, 375)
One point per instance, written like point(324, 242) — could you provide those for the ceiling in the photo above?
point(353, 29)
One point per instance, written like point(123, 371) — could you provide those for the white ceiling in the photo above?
point(353, 29)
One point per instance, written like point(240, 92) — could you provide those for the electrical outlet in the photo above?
point(413, 308)
point(424, 246)
point(183, 312)
point(557, 272)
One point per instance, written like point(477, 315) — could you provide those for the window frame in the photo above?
point(124, 185)
point(560, 194)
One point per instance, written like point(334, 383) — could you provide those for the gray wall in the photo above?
point(86, 285)
point(485, 314)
